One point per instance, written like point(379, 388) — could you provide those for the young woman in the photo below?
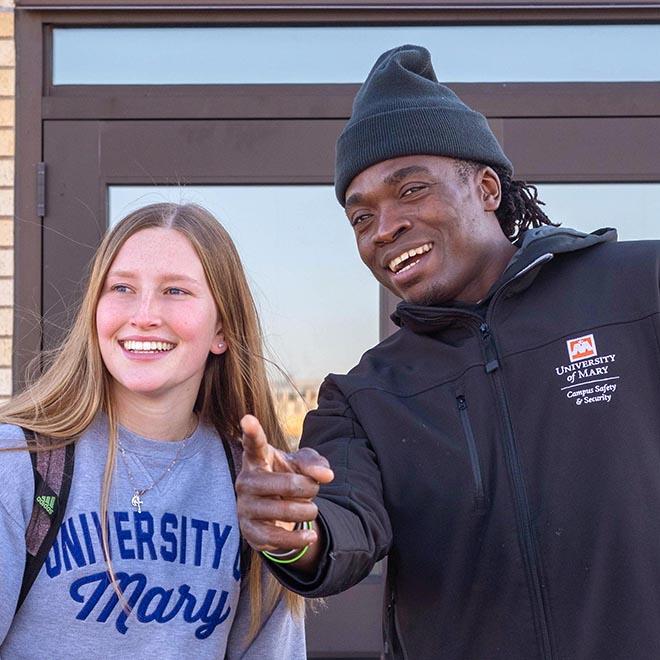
point(163, 360)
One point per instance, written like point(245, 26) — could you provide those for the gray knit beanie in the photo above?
point(402, 110)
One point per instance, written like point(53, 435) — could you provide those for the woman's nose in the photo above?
point(147, 312)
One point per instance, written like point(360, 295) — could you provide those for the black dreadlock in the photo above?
point(520, 208)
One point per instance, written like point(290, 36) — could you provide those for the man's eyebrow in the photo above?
point(355, 198)
point(391, 179)
point(400, 175)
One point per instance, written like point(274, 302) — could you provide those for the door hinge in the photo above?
point(41, 190)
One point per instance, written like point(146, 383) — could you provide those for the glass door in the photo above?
point(269, 183)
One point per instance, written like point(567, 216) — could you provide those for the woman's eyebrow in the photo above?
point(178, 277)
point(120, 273)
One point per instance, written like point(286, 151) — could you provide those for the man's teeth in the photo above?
point(410, 265)
point(393, 265)
point(147, 346)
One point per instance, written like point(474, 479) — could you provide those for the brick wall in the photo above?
point(7, 59)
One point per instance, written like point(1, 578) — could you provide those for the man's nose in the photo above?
point(147, 312)
point(392, 222)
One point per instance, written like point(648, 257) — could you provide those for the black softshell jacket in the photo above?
point(508, 463)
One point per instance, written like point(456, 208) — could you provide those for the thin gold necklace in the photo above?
point(138, 493)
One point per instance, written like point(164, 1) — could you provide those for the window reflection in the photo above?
point(631, 208)
point(318, 304)
point(208, 55)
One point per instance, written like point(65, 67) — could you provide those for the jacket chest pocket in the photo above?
point(473, 454)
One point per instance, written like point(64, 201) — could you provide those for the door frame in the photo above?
point(584, 110)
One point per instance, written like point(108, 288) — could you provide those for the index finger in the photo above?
point(256, 449)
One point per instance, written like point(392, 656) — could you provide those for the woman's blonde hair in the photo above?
point(63, 401)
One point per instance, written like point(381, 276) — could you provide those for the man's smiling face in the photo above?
point(428, 233)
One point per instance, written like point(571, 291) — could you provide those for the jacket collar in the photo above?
point(535, 248)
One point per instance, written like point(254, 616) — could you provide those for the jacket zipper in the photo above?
point(523, 513)
point(480, 497)
point(393, 625)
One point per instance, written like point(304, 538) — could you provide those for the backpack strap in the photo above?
point(52, 470)
point(234, 452)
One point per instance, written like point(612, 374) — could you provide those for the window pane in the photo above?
point(632, 208)
point(318, 304)
point(222, 55)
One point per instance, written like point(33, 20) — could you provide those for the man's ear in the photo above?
point(219, 345)
point(490, 189)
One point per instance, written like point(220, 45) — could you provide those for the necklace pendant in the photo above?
point(136, 501)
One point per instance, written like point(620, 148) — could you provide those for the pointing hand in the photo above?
point(275, 490)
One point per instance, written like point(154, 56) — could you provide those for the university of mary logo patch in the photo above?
point(581, 348)
point(588, 378)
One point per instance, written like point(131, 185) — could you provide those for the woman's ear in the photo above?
point(490, 188)
point(219, 345)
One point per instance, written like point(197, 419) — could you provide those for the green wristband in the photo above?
point(289, 560)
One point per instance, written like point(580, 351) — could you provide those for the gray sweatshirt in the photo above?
point(177, 560)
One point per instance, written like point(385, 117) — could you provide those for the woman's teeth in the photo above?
point(147, 346)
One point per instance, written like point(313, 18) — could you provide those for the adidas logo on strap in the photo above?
point(47, 502)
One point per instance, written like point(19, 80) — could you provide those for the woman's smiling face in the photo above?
point(156, 318)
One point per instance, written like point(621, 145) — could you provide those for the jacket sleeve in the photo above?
point(281, 635)
point(351, 508)
point(16, 493)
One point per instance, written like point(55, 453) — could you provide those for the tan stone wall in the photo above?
point(7, 91)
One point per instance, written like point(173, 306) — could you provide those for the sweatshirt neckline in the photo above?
point(134, 443)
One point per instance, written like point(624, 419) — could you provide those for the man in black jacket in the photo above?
point(503, 447)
